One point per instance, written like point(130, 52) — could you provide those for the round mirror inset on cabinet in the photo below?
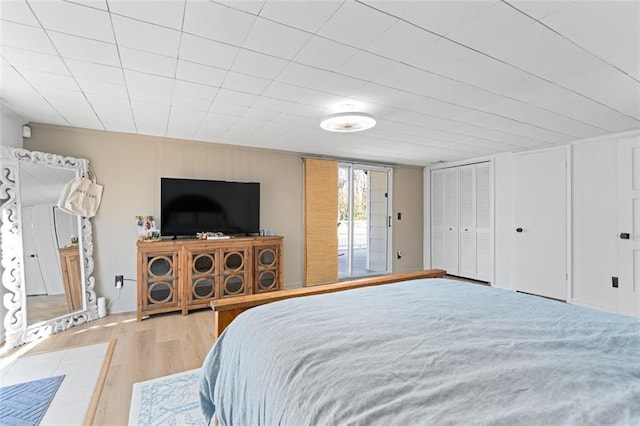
point(233, 284)
point(233, 261)
point(267, 257)
point(203, 288)
point(266, 280)
point(203, 264)
point(159, 266)
point(159, 292)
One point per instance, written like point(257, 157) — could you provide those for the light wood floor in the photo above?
point(45, 307)
point(158, 346)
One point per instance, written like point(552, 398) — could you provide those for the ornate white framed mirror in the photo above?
point(47, 253)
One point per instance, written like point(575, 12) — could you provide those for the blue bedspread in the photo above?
point(424, 352)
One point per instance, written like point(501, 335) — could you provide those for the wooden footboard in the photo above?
point(225, 310)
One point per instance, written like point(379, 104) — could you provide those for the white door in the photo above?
point(541, 223)
point(467, 213)
point(450, 220)
point(33, 279)
point(437, 221)
point(629, 226)
point(44, 232)
point(483, 221)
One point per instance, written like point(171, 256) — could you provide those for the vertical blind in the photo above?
point(321, 221)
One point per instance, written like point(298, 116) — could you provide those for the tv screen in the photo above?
point(189, 206)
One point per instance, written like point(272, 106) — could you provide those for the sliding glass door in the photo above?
point(363, 220)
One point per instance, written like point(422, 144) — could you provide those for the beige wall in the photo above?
point(130, 168)
point(10, 127)
point(407, 232)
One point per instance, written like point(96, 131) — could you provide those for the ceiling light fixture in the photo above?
point(345, 122)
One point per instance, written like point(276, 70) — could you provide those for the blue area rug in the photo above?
point(169, 400)
point(26, 403)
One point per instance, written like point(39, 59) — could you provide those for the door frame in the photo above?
point(568, 218)
point(427, 251)
point(389, 171)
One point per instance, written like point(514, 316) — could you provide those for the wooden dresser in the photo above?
point(181, 275)
point(71, 277)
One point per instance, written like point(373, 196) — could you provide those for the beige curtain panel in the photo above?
point(321, 221)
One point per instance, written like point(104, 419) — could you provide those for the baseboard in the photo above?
point(502, 286)
point(288, 286)
point(122, 309)
point(591, 305)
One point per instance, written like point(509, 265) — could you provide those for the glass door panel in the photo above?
point(363, 233)
point(377, 224)
point(344, 222)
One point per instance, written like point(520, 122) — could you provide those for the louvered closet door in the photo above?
point(467, 177)
point(461, 221)
point(483, 221)
point(450, 220)
point(437, 224)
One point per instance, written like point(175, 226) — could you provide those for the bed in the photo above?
point(425, 351)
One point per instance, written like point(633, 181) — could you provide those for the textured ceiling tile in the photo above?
point(445, 80)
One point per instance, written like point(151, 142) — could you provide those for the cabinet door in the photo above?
point(266, 259)
point(160, 277)
point(235, 269)
point(201, 276)
point(72, 278)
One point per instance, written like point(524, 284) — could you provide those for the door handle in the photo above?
point(518, 229)
point(32, 255)
point(625, 236)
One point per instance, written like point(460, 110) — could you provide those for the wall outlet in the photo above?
point(119, 281)
point(614, 282)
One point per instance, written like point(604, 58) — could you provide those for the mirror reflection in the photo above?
point(52, 261)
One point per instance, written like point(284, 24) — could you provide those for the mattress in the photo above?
point(431, 351)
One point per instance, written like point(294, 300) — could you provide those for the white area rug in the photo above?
point(168, 400)
point(81, 367)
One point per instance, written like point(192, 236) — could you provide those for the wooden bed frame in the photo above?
point(225, 310)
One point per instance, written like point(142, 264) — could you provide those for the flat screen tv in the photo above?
point(189, 206)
